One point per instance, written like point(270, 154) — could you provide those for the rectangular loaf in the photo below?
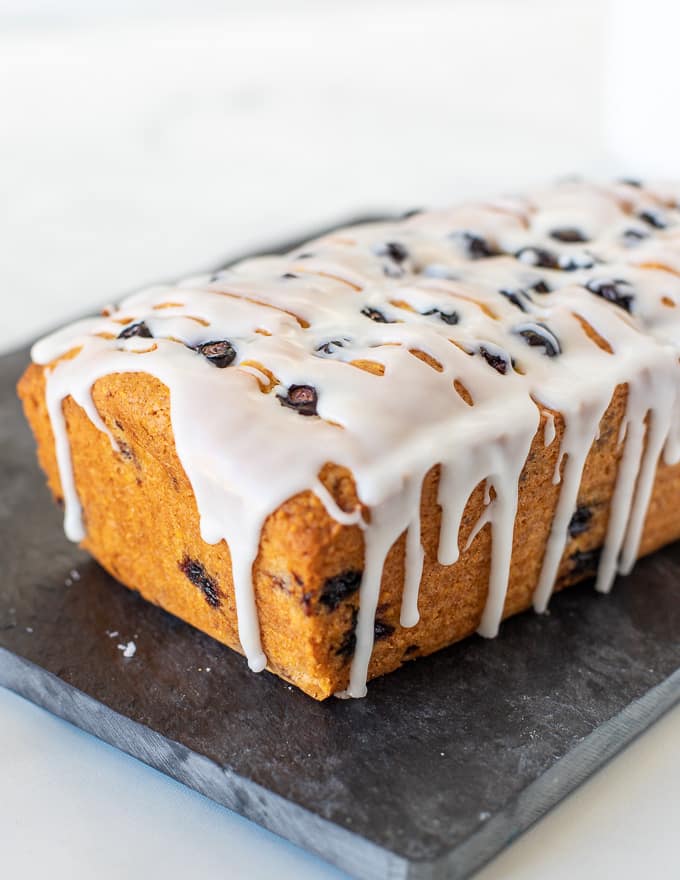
point(290, 455)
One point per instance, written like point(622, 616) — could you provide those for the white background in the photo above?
point(141, 140)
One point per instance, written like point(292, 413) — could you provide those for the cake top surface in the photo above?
point(381, 327)
point(392, 347)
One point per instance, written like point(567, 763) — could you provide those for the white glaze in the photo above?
point(549, 432)
point(244, 454)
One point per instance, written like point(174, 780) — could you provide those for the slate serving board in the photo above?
point(441, 766)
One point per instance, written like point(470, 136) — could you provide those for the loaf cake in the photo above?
point(341, 459)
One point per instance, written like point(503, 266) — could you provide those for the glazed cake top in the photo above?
point(389, 348)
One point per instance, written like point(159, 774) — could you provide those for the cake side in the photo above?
point(142, 526)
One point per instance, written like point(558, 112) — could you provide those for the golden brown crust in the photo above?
point(142, 526)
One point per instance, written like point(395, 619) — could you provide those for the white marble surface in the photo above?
point(140, 140)
point(132, 151)
point(72, 808)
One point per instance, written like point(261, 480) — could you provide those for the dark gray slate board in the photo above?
point(441, 766)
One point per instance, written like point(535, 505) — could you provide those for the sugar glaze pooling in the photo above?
point(435, 340)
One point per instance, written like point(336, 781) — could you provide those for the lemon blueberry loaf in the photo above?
point(341, 459)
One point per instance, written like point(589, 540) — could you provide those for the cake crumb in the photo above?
point(74, 574)
point(112, 633)
point(128, 650)
point(29, 629)
point(208, 668)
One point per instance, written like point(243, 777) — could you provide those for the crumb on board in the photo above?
point(129, 650)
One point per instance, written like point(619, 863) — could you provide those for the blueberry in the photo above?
point(497, 361)
point(446, 317)
point(392, 249)
point(337, 588)
point(375, 315)
point(330, 346)
point(585, 562)
point(580, 521)
point(538, 256)
point(289, 275)
point(381, 630)
point(633, 236)
point(199, 577)
point(540, 286)
point(617, 291)
point(572, 262)
point(517, 297)
point(125, 451)
point(568, 235)
point(654, 217)
point(349, 642)
point(138, 329)
point(538, 335)
point(221, 353)
point(475, 246)
point(301, 398)
point(396, 254)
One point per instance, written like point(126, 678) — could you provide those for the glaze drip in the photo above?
point(394, 348)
